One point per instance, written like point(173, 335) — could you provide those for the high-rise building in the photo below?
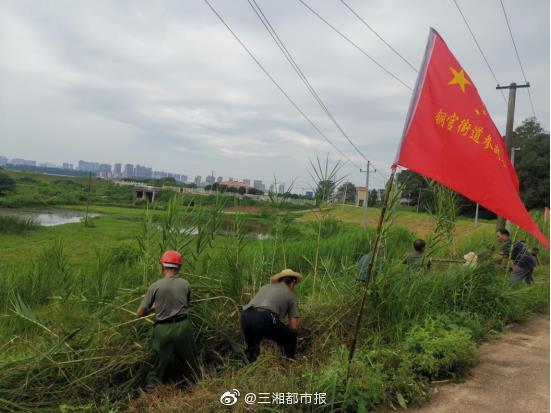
point(219, 179)
point(231, 179)
point(184, 178)
point(281, 189)
point(210, 179)
point(128, 171)
point(247, 181)
point(117, 170)
point(197, 180)
point(22, 162)
point(3, 160)
point(257, 184)
point(142, 172)
point(67, 165)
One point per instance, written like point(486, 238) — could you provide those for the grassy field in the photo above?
point(69, 340)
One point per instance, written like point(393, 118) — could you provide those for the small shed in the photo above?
point(145, 192)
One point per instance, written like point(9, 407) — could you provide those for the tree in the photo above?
point(254, 191)
point(242, 190)
point(324, 190)
point(373, 198)
point(415, 188)
point(532, 163)
point(347, 189)
point(7, 184)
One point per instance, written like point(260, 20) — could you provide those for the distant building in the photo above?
point(281, 189)
point(143, 172)
point(159, 174)
point(184, 178)
point(360, 196)
point(219, 179)
point(309, 194)
point(22, 162)
point(48, 165)
point(247, 181)
point(93, 167)
point(67, 165)
point(231, 179)
point(234, 184)
point(3, 160)
point(257, 184)
point(128, 171)
point(197, 180)
point(178, 177)
point(117, 170)
point(210, 180)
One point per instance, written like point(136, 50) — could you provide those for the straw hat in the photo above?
point(470, 258)
point(287, 272)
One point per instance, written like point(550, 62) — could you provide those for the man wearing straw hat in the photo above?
point(173, 342)
point(261, 318)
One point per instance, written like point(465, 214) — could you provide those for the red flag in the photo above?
point(450, 138)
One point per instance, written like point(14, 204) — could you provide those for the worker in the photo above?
point(516, 256)
point(535, 252)
point(173, 342)
point(416, 258)
point(261, 318)
point(363, 264)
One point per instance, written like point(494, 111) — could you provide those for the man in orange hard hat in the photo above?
point(261, 318)
point(173, 342)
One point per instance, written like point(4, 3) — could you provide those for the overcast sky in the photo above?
point(164, 84)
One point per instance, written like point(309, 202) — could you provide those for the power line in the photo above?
point(479, 49)
point(266, 22)
point(276, 83)
point(380, 38)
point(518, 56)
point(354, 44)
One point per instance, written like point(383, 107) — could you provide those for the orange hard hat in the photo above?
point(171, 259)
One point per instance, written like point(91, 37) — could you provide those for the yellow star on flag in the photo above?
point(459, 79)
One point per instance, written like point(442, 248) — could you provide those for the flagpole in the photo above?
point(374, 251)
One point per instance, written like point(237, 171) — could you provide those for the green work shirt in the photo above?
point(363, 263)
point(276, 297)
point(171, 296)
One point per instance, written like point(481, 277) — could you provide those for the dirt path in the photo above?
point(512, 375)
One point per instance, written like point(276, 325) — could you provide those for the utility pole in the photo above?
point(345, 190)
point(509, 127)
point(367, 171)
point(88, 198)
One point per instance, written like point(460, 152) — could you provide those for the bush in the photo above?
point(436, 350)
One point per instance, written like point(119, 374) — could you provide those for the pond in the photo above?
point(49, 218)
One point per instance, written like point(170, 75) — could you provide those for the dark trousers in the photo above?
point(259, 324)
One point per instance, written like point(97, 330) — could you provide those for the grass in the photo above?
point(421, 224)
point(16, 225)
point(69, 339)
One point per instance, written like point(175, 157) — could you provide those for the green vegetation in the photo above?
point(16, 225)
point(36, 190)
point(69, 340)
point(7, 184)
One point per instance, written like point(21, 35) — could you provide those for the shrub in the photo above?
point(436, 350)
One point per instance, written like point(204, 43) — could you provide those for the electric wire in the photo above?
point(277, 84)
point(518, 56)
point(281, 45)
point(479, 49)
point(354, 44)
point(377, 34)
